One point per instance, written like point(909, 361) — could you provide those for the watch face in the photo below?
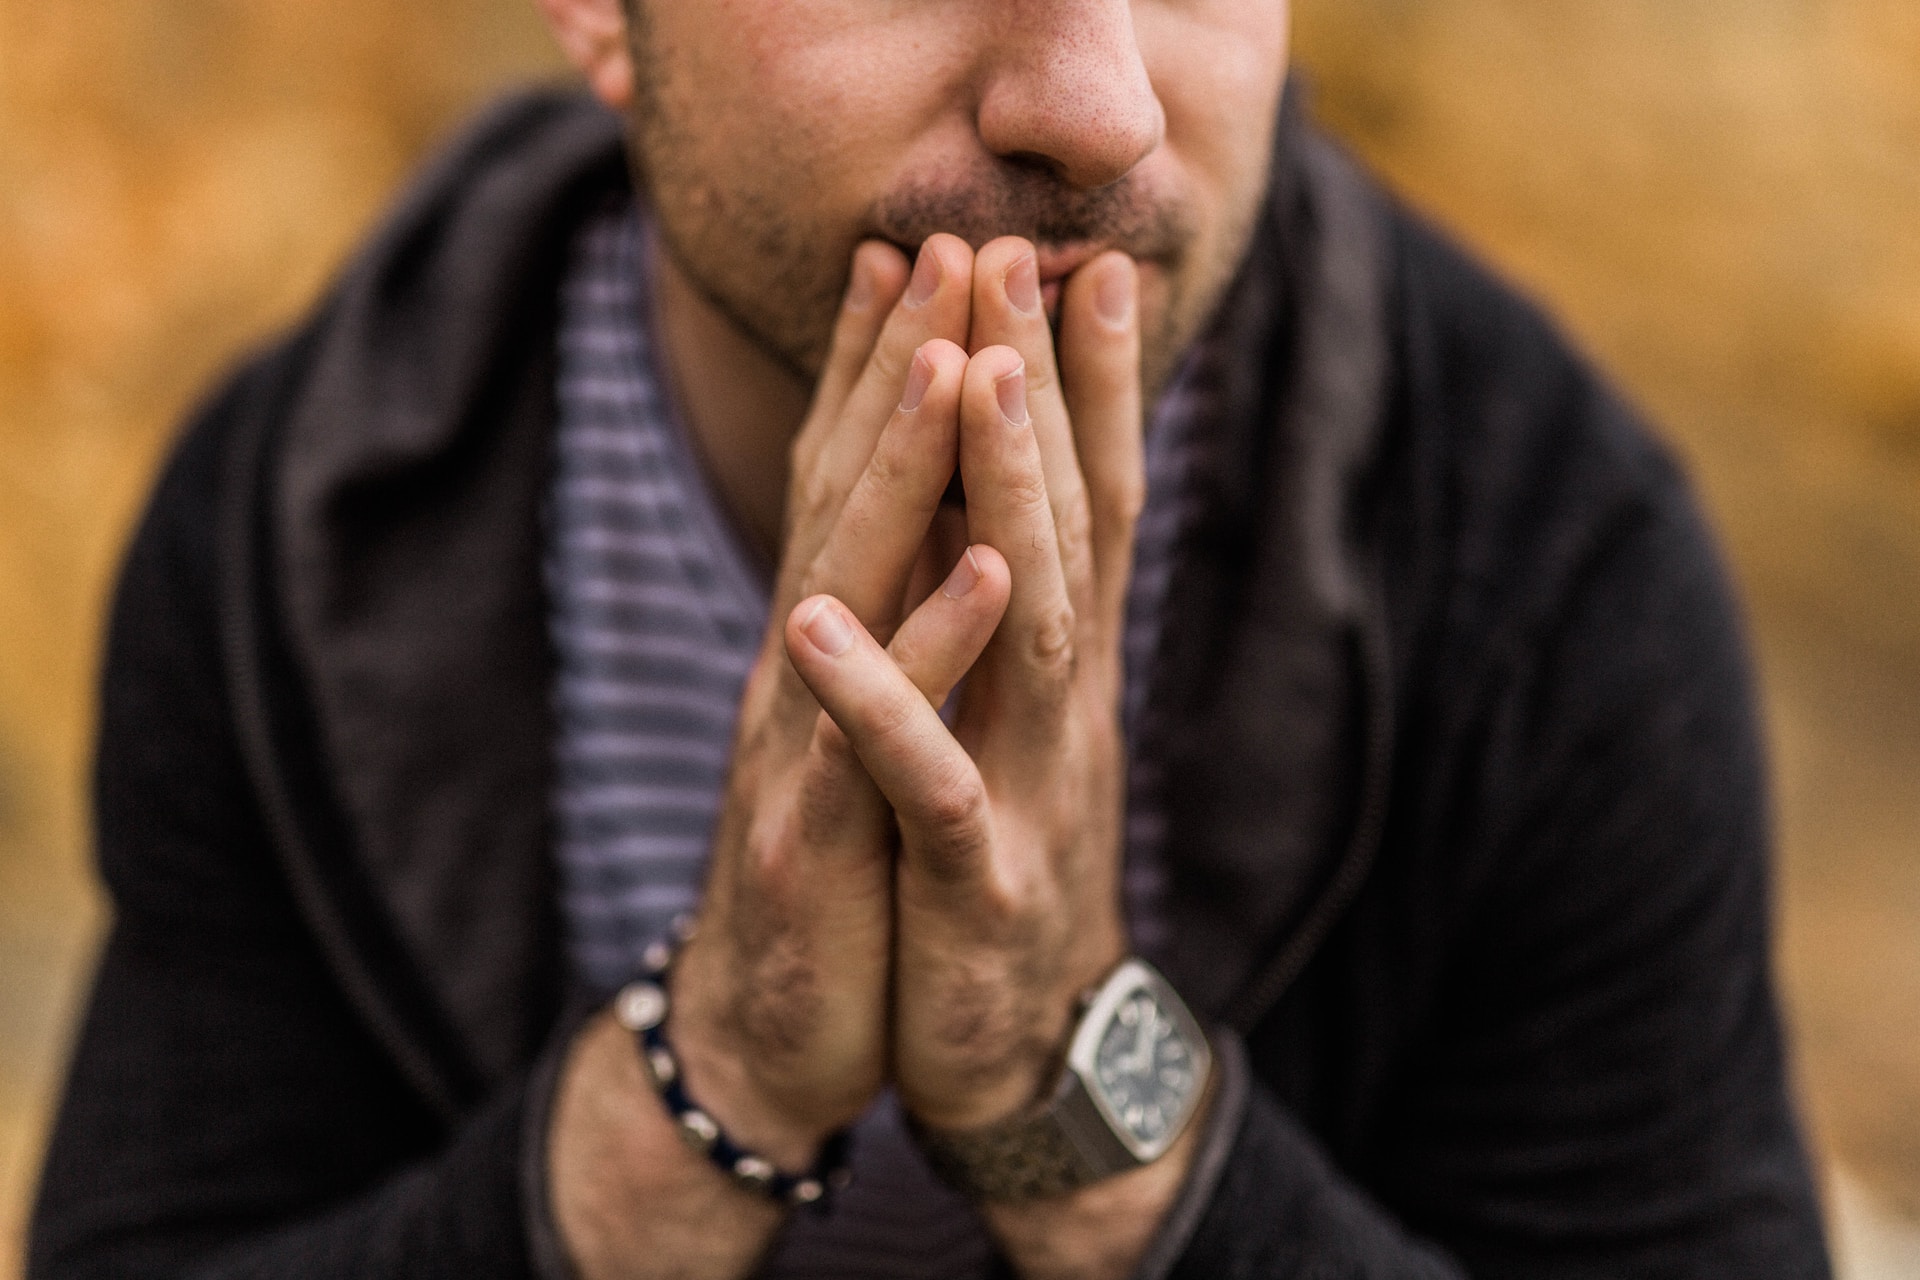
point(1145, 1070)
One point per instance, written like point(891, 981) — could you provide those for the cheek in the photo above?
point(839, 97)
point(770, 130)
point(1219, 67)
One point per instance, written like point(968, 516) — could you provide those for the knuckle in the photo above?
point(953, 807)
point(825, 806)
point(924, 666)
point(831, 741)
point(815, 503)
point(1128, 497)
point(1074, 518)
point(1042, 378)
point(767, 860)
point(1025, 490)
point(1050, 649)
point(891, 467)
point(805, 454)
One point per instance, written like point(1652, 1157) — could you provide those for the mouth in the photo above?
point(1056, 263)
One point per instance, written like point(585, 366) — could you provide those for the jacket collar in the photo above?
point(400, 578)
point(406, 540)
point(1276, 653)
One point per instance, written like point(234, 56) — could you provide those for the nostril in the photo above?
point(1036, 162)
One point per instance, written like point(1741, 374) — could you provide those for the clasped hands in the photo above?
point(895, 897)
point(891, 898)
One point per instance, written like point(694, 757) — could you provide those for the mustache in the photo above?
point(1042, 208)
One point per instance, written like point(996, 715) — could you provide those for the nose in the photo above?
point(1065, 88)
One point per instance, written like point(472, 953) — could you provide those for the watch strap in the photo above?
point(1057, 1147)
point(1024, 1157)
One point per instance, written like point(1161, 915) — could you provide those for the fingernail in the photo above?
point(1011, 391)
point(926, 278)
point(1023, 285)
point(919, 378)
point(1114, 299)
point(828, 630)
point(859, 285)
point(964, 578)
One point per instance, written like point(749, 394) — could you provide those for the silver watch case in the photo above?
point(1076, 1136)
point(1088, 1118)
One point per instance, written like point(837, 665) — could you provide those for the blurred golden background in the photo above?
point(1721, 202)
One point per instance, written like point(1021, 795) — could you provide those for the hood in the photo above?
point(387, 620)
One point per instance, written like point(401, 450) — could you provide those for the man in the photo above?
point(1383, 692)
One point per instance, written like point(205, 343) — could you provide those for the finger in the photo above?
point(941, 640)
point(875, 280)
point(871, 548)
point(838, 446)
point(1008, 311)
point(946, 540)
point(1030, 661)
point(937, 645)
point(1100, 375)
point(930, 782)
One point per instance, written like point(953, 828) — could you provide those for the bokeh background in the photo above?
point(1720, 201)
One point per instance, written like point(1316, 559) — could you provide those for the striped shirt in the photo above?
point(657, 613)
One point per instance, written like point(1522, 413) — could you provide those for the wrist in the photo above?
point(1099, 1231)
point(715, 1082)
point(622, 1184)
point(717, 1073)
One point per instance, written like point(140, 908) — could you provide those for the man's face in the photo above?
point(774, 135)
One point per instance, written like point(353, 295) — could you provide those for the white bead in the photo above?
point(698, 1128)
point(640, 1006)
point(663, 1067)
point(752, 1171)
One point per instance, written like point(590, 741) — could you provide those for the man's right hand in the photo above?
point(780, 1002)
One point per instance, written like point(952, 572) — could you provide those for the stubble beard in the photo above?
point(779, 281)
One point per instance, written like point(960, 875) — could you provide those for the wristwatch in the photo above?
point(1137, 1067)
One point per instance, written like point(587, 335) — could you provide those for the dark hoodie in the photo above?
point(1467, 851)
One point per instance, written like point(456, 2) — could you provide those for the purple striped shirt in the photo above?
point(656, 615)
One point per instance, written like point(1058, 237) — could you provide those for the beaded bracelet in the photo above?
point(641, 1007)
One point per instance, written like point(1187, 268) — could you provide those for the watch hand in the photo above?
point(1142, 1056)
